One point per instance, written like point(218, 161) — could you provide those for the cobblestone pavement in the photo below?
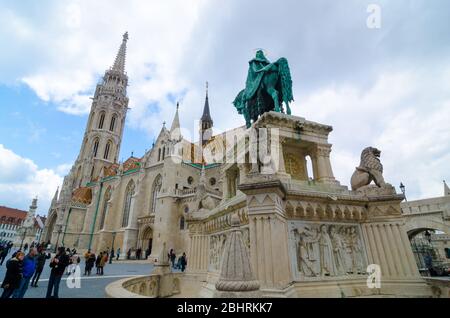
point(91, 286)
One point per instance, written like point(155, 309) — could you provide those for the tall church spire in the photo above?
point(206, 122)
point(206, 117)
point(119, 63)
point(176, 120)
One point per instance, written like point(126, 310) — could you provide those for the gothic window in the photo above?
point(91, 119)
point(159, 154)
point(105, 208)
point(155, 190)
point(113, 122)
point(107, 148)
point(92, 173)
point(182, 223)
point(95, 147)
point(127, 203)
point(164, 153)
point(101, 121)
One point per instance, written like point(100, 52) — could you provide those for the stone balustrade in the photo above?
point(150, 286)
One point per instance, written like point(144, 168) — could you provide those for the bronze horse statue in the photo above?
point(268, 86)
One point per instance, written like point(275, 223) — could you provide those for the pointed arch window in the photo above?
point(96, 141)
point(107, 148)
point(101, 121)
point(155, 190)
point(127, 203)
point(113, 122)
point(105, 209)
point(159, 154)
point(182, 223)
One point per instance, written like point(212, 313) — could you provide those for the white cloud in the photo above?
point(403, 114)
point(384, 88)
point(21, 180)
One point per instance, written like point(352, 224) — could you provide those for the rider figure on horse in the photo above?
point(267, 86)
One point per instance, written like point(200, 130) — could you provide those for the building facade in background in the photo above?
point(21, 227)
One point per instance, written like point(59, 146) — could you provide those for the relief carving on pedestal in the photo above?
point(327, 249)
point(217, 244)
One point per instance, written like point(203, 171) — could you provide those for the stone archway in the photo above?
point(146, 240)
point(50, 227)
point(426, 249)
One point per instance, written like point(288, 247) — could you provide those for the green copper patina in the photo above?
point(268, 86)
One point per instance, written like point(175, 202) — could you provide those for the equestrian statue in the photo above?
point(268, 86)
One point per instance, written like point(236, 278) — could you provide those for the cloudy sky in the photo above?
point(386, 87)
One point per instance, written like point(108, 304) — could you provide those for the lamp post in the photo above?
point(402, 188)
point(57, 239)
point(23, 237)
point(112, 247)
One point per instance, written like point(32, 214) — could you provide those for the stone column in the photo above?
point(323, 164)
point(130, 232)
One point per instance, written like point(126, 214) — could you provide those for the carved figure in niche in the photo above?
point(305, 253)
point(327, 265)
point(355, 251)
point(338, 251)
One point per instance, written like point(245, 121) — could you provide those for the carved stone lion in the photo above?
point(370, 169)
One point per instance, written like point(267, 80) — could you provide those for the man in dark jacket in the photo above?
point(3, 254)
point(13, 275)
point(29, 266)
point(40, 262)
point(58, 264)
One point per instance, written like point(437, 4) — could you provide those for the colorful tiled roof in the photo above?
point(111, 170)
point(82, 195)
point(131, 163)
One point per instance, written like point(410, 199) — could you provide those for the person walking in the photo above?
point(172, 257)
point(40, 262)
point(103, 261)
point(118, 254)
point(28, 268)
point(90, 263)
point(13, 275)
point(111, 256)
point(183, 262)
point(25, 247)
point(97, 262)
point(86, 261)
point(58, 264)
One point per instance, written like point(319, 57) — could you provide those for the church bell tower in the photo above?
point(104, 129)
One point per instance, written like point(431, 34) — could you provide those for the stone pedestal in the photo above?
point(268, 233)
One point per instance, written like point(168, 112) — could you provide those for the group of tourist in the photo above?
point(182, 260)
point(99, 261)
point(138, 253)
point(22, 268)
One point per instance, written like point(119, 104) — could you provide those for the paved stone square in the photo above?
point(91, 286)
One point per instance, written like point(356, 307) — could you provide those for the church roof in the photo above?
point(111, 170)
point(11, 216)
point(131, 163)
point(82, 195)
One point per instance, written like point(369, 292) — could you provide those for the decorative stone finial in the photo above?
point(236, 273)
